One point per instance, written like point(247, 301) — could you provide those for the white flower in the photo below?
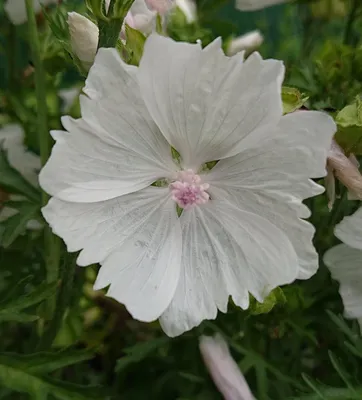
point(12, 140)
point(68, 97)
point(240, 230)
point(345, 263)
point(250, 41)
point(28, 164)
point(16, 9)
point(188, 7)
point(252, 5)
point(223, 369)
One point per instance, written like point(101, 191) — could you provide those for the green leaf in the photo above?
point(45, 362)
point(140, 351)
point(12, 181)
point(15, 225)
point(135, 44)
point(292, 99)
point(349, 123)
point(275, 297)
point(13, 307)
point(17, 375)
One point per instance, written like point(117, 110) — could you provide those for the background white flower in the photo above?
point(27, 163)
point(241, 229)
point(252, 5)
point(16, 10)
point(250, 41)
point(345, 263)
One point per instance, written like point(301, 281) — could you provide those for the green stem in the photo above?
point(347, 39)
point(40, 88)
point(110, 28)
point(52, 243)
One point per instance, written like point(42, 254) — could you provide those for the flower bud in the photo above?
point(84, 38)
point(188, 7)
point(345, 169)
point(248, 42)
point(223, 369)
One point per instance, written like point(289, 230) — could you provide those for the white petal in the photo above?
point(345, 264)
point(271, 178)
point(225, 252)
point(114, 149)
point(252, 5)
point(137, 240)
point(350, 230)
point(27, 163)
point(204, 102)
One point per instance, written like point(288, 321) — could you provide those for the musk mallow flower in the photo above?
point(118, 191)
point(253, 5)
point(345, 264)
point(16, 9)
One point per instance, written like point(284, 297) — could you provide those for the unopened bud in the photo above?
point(84, 38)
point(188, 7)
point(248, 42)
point(345, 169)
point(223, 369)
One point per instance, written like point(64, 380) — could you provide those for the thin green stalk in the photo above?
point(40, 87)
point(52, 243)
point(347, 37)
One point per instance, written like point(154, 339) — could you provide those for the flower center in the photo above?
point(188, 190)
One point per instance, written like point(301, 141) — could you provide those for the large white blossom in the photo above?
point(345, 263)
point(252, 5)
point(16, 10)
point(240, 231)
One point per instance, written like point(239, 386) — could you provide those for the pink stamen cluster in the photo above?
point(188, 191)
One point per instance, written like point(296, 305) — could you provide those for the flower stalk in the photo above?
point(52, 243)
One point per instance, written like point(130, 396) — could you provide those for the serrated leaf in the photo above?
point(19, 379)
point(45, 362)
point(135, 44)
point(41, 293)
point(14, 182)
point(292, 99)
point(349, 123)
point(15, 225)
point(139, 351)
point(17, 317)
point(275, 297)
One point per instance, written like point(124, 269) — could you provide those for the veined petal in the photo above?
point(271, 178)
point(350, 230)
point(225, 252)
point(115, 148)
point(345, 264)
point(204, 102)
point(137, 240)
